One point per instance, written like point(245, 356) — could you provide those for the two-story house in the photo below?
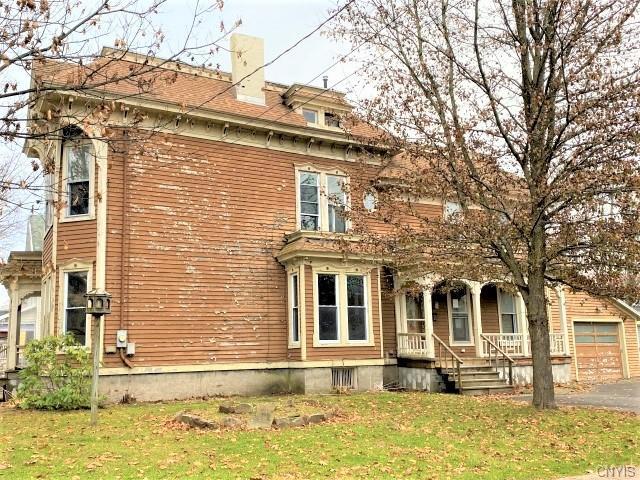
point(216, 223)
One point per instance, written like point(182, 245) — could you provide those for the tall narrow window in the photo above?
point(328, 308)
point(414, 307)
point(309, 204)
point(78, 159)
point(337, 201)
point(49, 198)
point(460, 316)
point(75, 321)
point(356, 308)
point(295, 312)
point(508, 318)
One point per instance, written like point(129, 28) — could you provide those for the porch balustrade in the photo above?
point(413, 345)
point(514, 343)
point(557, 341)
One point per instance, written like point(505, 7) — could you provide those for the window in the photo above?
point(451, 208)
point(356, 308)
point(342, 310)
point(295, 310)
point(331, 120)
point(326, 211)
point(596, 332)
point(370, 201)
point(508, 318)
point(328, 308)
point(311, 116)
point(77, 157)
point(75, 316)
point(309, 201)
point(49, 199)
point(414, 308)
point(337, 200)
point(459, 307)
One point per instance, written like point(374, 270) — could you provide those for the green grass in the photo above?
point(385, 435)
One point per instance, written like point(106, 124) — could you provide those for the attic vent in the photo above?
point(343, 379)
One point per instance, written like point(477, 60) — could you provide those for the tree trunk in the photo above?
point(543, 392)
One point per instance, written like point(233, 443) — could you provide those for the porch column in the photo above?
point(428, 321)
point(14, 326)
point(477, 316)
point(562, 307)
point(523, 325)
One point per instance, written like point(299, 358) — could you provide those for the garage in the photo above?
point(598, 351)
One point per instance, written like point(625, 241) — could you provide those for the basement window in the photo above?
point(343, 379)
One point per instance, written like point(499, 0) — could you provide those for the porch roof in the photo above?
point(21, 265)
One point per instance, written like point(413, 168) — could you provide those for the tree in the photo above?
point(51, 47)
point(524, 114)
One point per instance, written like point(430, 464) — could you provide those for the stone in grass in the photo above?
point(284, 422)
point(300, 421)
point(232, 422)
point(226, 407)
point(195, 420)
point(263, 417)
point(243, 408)
point(317, 418)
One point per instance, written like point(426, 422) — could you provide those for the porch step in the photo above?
point(476, 380)
point(487, 390)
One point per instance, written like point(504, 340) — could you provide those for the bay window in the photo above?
point(75, 313)
point(322, 201)
point(342, 309)
point(294, 319)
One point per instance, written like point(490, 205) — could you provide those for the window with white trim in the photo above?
point(414, 312)
point(311, 116)
point(294, 314)
point(356, 308)
point(78, 162)
point(451, 209)
point(49, 185)
point(75, 312)
point(322, 201)
point(342, 309)
point(508, 318)
point(328, 315)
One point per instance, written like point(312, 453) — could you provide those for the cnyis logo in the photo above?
point(614, 471)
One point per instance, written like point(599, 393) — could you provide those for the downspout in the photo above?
point(124, 254)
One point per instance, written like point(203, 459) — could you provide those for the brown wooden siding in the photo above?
point(389, 325)
point(204, 221)
point(489, 310)
point(47, 248)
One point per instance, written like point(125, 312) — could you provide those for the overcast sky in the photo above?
point(280, 22)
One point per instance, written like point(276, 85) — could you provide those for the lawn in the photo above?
point(383, 435)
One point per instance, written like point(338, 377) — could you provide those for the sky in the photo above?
point(281, 23)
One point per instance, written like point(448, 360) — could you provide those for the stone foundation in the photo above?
point(426, 379)
point(523, 374)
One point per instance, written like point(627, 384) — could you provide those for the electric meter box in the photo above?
point(121, 339)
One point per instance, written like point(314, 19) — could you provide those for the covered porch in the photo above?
point(469, 320)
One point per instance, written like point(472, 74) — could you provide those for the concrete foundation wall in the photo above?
point(426, 379)
point(523, 374)
point(176, 386)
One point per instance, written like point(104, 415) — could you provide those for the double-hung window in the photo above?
point(328, 314)
point(75, 313)
point(322, 201)
point(508, 318)
point(460, 319)
point(294, 324)
point(414, 308)
point(342, 308)
point(78, 160)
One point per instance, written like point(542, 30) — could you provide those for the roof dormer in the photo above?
point(322, 108)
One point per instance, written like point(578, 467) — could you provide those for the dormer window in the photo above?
point(331, 120)
point(311, 116)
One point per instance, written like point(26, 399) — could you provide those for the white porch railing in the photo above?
point(512, 344)
point(557, 343)
point(413, 344)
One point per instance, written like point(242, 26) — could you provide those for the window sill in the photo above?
point(322, 235)
point(77, 218)
point(293, 346)
point(461, 344)
point(355, 343)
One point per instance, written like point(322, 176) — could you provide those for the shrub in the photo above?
point(53, 380)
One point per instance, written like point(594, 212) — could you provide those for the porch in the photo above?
point(473, 321)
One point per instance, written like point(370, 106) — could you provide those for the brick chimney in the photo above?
point(247, 54)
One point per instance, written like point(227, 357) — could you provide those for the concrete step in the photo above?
point(466, 383)
point(488, 376)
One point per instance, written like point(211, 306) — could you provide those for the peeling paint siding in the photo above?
point(205, 220)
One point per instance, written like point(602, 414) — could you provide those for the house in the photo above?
point(220, 238)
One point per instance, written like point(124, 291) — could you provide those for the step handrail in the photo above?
point(456, 361)
point(505, 357)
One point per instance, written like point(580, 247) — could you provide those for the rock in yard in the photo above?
point(263, 417)
point(299, 421)
point(243, 408)
point(232, 422)
point(317, 418)
point(226, 407)
point(195, 420)
point(284, 422)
